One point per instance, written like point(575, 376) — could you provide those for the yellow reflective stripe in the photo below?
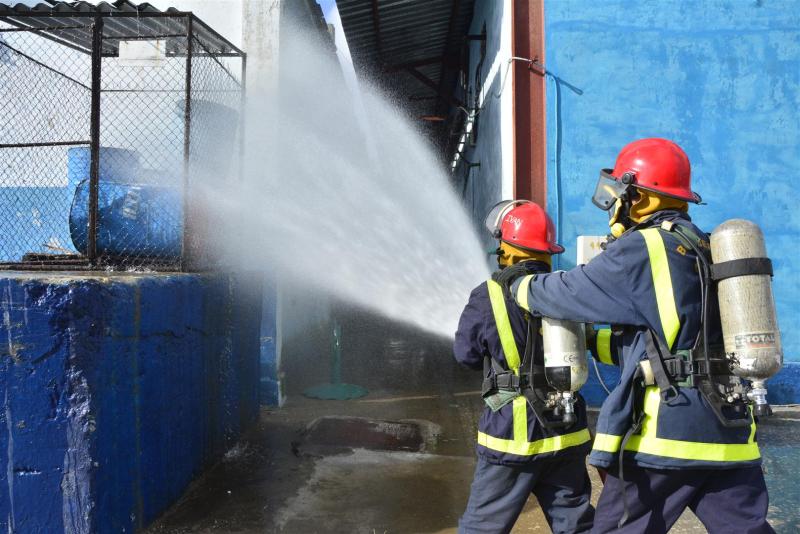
point(503, 326)
point(520, 420)
point(649, 443)
point(604, 346)
point(662, 282)
point(606, 442)
point(523, 290)
point(524, 448)
point(652, 401)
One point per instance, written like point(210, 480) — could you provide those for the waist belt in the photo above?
point(682, 369)
point(508, 381)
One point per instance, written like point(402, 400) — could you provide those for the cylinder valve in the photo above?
point(565, 364)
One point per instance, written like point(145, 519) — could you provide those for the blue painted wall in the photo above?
point(116, 391)
point(722, 79)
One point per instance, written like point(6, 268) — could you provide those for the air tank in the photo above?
point(565, 364)
point(747, 309)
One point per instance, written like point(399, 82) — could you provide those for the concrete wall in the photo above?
point(721, 78)
point(484, 175)
point(117, 390)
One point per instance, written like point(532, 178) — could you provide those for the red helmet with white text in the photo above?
point(523, 224)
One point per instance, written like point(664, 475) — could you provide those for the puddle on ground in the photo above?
point(337, 434)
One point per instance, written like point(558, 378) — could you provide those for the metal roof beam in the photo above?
point(433, 85)
point(448, 43)
point(376, 24)
point(414, 64)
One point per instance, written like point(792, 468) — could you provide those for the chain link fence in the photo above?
point(110, 128)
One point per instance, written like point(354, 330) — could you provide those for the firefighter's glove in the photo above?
point(591, 333)
point(506, 277)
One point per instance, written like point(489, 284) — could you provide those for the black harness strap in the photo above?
point(531, 394)
point(656, 350)
point(708, 382)
point(692, 240)
point(741, 267)
point(636, 427)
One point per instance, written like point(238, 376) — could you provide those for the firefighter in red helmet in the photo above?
point(521, 449)
point(667, 436)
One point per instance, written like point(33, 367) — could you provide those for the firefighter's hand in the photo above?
point(510, 274)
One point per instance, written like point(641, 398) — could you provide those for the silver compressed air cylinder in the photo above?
point(565, 365)
point(747, 308)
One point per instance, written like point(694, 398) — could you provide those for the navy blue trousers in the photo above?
point(499, 493)
point(724, 500)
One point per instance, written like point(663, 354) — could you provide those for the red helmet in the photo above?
point(524, 224)
point(656, 165)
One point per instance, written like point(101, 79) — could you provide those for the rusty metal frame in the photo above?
point(528, 96)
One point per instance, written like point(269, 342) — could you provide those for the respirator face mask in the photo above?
point(614, 196)
point(609, 189)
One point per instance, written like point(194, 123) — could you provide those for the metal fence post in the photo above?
point(187, 133)
point(242, 115)
point(94, 136)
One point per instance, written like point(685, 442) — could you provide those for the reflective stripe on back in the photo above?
point(524, 448)
point(662, 282)
point(649, 443)
point(520, 445)
point(503, 326)
point(520, 409)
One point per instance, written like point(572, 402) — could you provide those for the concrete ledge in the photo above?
point(117, 390)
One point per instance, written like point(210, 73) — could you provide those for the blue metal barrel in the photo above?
point(134, 220)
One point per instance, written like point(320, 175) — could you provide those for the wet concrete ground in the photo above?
point(274, 482)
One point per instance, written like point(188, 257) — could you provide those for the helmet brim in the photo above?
point(608, 188)
point(554, 249)
point(695, 198)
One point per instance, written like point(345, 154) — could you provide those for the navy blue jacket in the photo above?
point(476, 337)
point(646, 279)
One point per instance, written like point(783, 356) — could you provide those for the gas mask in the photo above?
point(615, 196)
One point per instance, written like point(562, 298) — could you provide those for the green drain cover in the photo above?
point(335, 389)
point(335, 392)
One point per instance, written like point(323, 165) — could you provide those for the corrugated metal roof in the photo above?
point(390, 37)
point(69, 23)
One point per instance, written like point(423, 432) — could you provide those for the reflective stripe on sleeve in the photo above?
point(523, 290)
point(503, 326)
point(604, 346)
point(606, 442)
point(662, 282)
point(553, 444)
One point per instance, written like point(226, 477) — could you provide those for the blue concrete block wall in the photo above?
point(721, 78)
point(116, 391)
